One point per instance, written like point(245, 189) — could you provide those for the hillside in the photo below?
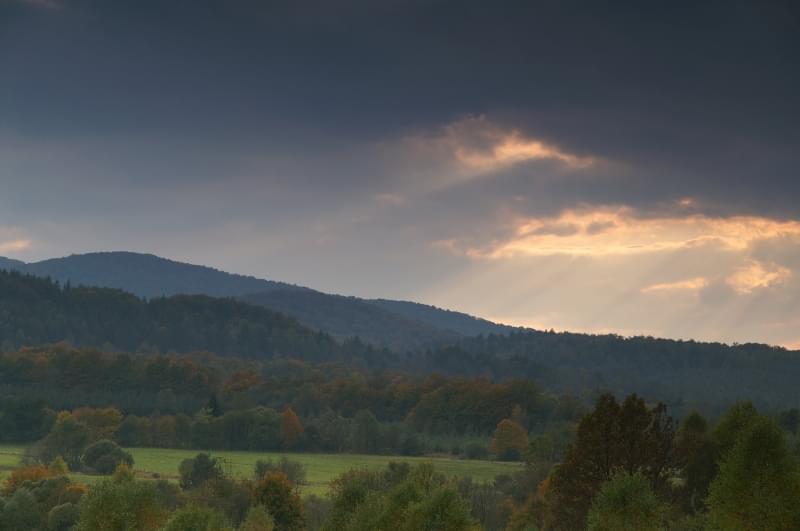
point(35, 311)
point(147, 275)
point(398, 325)
point(345, 317)
point(458, 322)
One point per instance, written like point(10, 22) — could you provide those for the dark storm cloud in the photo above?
point(388, 137)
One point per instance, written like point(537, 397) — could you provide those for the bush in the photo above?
point(295, 471)
point(62, 517)
point(196, 471)
point(122, 505)
point(104, 456)
point(28, 473)
point(276, 493)
point(197, 518)
point(258, 519)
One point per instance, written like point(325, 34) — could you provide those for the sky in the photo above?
point(586, 166)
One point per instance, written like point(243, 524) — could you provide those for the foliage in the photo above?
point(625, 502)
point(66, 439)
point(197, 518)
point(198, 470)
point(291, 428)
point(294, 470)
point(509, 442)
point(629, 437)
point(104, 457)
point(29, 473)
point(274, 491)
point(398, 498)
point(257, 519)
point(758, 484)
point(126, 505)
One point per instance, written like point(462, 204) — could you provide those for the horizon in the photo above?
point(624, 169)
point(520, 326)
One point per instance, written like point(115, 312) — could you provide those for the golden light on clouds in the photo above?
point(757, 275)
point(690, 285)
point(620, 231)
point(14, 245)
point(507, 149)
point(479, 146)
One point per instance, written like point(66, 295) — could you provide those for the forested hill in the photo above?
point(707, 376)
point(34, 311)
point(398, 325)
point(146, 275)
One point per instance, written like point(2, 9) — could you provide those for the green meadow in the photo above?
point(321, 469)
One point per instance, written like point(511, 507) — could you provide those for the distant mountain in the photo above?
point(147, 275)
point(9, 264)
point(349, 316)
point(37, 311)
point(458, 322)
point(398, 325)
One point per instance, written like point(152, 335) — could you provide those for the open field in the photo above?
point(320, 468)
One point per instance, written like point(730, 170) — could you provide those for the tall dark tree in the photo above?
point(630, 437)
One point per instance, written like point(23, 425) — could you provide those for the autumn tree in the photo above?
point(630, 438)
point(758, 484)
point(509, 442)
point(276, 493)
point(122, 505)
point(291, 428)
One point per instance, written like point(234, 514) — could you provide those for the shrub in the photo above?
point(104, 456)
point(196, 471)
point(258, 519)
point(275, 492)
point(62, 517)
point(197, 518)
point(295, 471)
point(28, 473)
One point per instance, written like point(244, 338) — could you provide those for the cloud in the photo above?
point(475, 147)
point(606, 231)
point(756, 275)
point(692, 285)
point(484, 147)
point(11, 246)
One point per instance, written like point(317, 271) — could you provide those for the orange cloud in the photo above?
point(505, 149)
point(476, 146)
point(620, 231)
point(14, 245)
point(692, 284)
point(757, 275)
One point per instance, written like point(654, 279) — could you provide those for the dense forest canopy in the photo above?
point(686, 374)
point(396, 324)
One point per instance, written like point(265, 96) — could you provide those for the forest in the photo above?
point(604, 432)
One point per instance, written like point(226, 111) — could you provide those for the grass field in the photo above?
point(320, 468)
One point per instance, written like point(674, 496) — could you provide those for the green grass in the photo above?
point(320, 468)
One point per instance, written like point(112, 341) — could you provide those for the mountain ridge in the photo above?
point(399, 325)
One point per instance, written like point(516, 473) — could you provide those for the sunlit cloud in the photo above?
point(480, 145)
point(14, 245)
point(620, 231)
point(477, 147)
point(690, 285)
point(756, 275)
